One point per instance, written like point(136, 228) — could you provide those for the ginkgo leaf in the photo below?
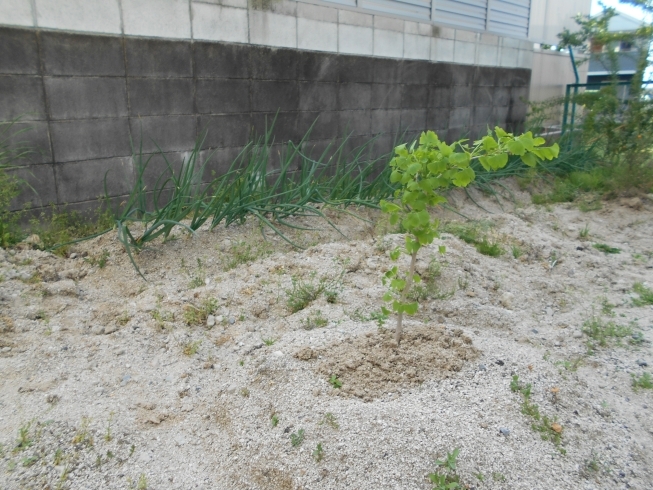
point(463, 177)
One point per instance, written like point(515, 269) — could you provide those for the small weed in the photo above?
point(24, 439)
point(162, 317)
point(377, 316)
point(584, 233)
point(83, 436)
point(274, 420)
point(197, 277)
point(489, 248)
point(644, 381)
point(335, 382)
point(244, 392)
point(243, 253)
point(297, 438)
point(58, 457)
point(645, 295)
point(330, 420)
point(606, 248)
point(314, 321)
point(269, 341)
point(197, 315)
point(142, 482)
point(29, 461)
point(123, 319)
point(304, 292)
point(479, 476)
point(603, 333)
point(99, 260)
point(445, 477)
point(132, 448)
point(241, 362)
point(318, 453)
point(107, 435)
point(516, 253)
point(191, 348)
point(607, 307)
point(463, 283)
point(498, 477)
point(572, 365)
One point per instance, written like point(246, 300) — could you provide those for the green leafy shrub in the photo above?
point(422, 171)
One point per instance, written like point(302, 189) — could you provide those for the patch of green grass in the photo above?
point(24, 438)
point(490, 249)
point(274, 420)
point(607, 308)
point(584, 233)
point(99, 260)
point(318, 453)
point(330, 420)
point(498, 477)
point(297, 438)
point(30, 460)
point(269, 341)
point(316, 320)
point(474, 234)
point(645, 295)
point(644, 381)
point(304, 292)
point(516, 251)
point(604, 333)
point(197, 314)
point(445, 477)
point(191, 348)
point(335, 382)
point(244, 252)
point(606, 248)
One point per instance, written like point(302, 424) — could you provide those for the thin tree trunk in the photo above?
point(404, 294)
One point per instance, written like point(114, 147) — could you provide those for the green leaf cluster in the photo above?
point(423, 170)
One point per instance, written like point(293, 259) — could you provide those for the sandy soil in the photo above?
point(110, 381)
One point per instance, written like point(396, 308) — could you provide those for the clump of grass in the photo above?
point(99, 260)
point(243, 252)
point(445, 476)
point(645, 295)
point(473, 234)
point(197, 277)
point(492, 249)
point(191, 348)
point(377, 316)
point(644, 381)
point(604, 333)
point(429, 286)
point(304, 292)
point(83, 434)
point(269, 341)
point(316, 320)
point(318, 453)
point(274, 420)
point(297, 438)
point(607, 249)
point(517, 251)
point(24, 438)
point(548, 428)
point(330, 420)
point(197, 314)
point(584, 233)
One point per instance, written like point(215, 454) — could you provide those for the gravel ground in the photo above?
point(110, 381)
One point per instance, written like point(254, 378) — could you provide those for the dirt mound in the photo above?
point(373, 365)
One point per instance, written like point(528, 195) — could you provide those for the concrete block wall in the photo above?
point(90, 87)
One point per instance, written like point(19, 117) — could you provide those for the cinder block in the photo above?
point(73, 54)
point(40, 179)
point(80, 98)
point(509, 57)
point(437, 119)
point(356, 69)
point(415, 72)
point(355, 122)
point(34, 136)
point(89, 139)
point(16, 13)
point(386, 121)
point(160, 96)
point(218, 161)
point(388, 23)
point(218, 23)
point(461, 96)
point(482, 96)
point(154, 18)
point(509, 42)
point(158, 58)
point(316, 12)
point(22, 95)
point(460, 117)
point(441, 74)
point(487, 55)
point(274, 64)
point(317, 67)
point(271, 29)
point(388, 71)
point(214, 96)
point(325, 124)
point(242, 4)
point(222, 60)
point(354, 96)
point(225, 130)
point(386, 96)
point(84, 181)
point(316, 35)
point(270, 96)
point(501, 96)
point(158, 167)
point(483, 117)
point(464, 52)
point(79, 15)
point(413, 119)
point(466, 36)
point(415, 96)
point(318, 96)
point(355, 18)
point(284, 125)
point(389, 44)
point(169, 133)
point(485, 76)
point(355, 39)
point(439, 97)
point(19, 53)
point(525, 59)
point(442, 50)
point(417, 47)
point(462, 74)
